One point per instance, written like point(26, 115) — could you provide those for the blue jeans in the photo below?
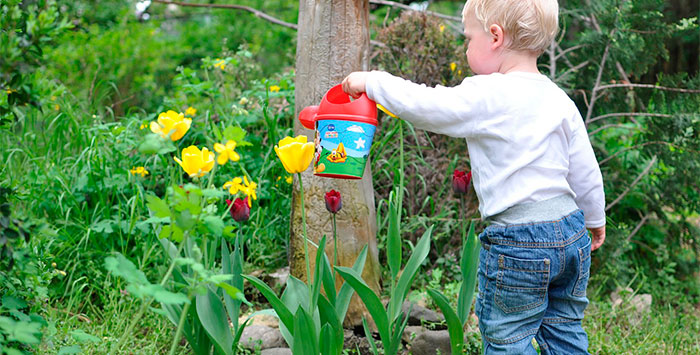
point(532, 283)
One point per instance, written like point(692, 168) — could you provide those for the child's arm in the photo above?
point(443, 110)
point(587, 182)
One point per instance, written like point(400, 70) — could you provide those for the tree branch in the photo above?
point(406, 7)
point(594, 92)
point(648, 86)
point(636, 147)
point(639, 225)
point(629, 188)
point(609, 126)
point(255, 12)
point(628, 114)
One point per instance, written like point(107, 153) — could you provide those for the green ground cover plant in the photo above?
point(87, 188)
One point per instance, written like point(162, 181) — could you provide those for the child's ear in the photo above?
point(497, 36)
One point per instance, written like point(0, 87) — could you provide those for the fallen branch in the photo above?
point(629, 188)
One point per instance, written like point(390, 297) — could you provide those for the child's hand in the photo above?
point(598, 237)
point(354, 84)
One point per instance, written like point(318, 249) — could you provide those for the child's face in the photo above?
point(482, 51)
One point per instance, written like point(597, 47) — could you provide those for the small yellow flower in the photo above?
point(244, 186)
point(9, 91)
point(250, 189)
point(139, 170)
point(171, 123)
point(195, 162)
point(53, 265)
point(274, 88)
point(220, 63)
point(295, 153)
point(191, 111)
point(143, 125)
point(226, 152)
point(56, 107)
point(242, 101)
point(234, 185)
point(459, 72)
point(53, 98)
point(442, 28)
point(289, 179)
point(453, 66)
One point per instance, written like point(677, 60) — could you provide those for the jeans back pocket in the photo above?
point(584, 270)
point(521, 284)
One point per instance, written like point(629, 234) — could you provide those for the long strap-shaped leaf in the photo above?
point(420, 252)
point(282, 311)
point(345, 293)
point(393, 241)
point(454, 325)
point(212, 315)
point(370, 299)
point(468, 265)
point(305, 334)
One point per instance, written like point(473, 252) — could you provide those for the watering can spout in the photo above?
point(307, 117)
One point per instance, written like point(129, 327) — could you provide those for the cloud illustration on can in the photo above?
point(356, 128)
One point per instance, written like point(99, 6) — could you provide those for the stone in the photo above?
point(276, 351)
point(430, 342)
point(642, 303)
point(263, 336)
point(420, 314)
point(280, 276)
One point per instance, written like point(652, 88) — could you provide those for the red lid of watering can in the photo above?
point(336, 105)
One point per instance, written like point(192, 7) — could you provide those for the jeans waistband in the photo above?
point(547, 210)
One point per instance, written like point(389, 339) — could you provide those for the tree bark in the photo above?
point(333, 41)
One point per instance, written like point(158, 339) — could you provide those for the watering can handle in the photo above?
point(307, 116)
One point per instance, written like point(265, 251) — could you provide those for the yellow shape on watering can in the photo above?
point(338, 155)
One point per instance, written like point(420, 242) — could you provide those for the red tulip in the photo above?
point(460, 181)
point(333, 201)
point(240, 210)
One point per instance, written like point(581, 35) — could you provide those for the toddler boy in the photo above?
point(534, 171)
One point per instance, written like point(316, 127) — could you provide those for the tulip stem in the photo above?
point(335, 241)
point(306, 244)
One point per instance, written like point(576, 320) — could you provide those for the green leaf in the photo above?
point(122, 267)
point(369, 337)
point(346, 291)
point(305, 335)
point(211, 314)
point(328, 279)
point(318, 272)
point(234, 293)
point(393, 247)
point(283, 312)
point(9, 302)
point(237, 134)
point(332, 342)
point(454, 324)
point(73, 349)
point(214, 224)
point(81, 337)
point(420, 252)
point(159, 293)
point(469, 266)
point(370, 299)
point(157, 206)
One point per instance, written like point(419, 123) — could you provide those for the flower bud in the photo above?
point(333, 201)
point(240, 210)
point(460, 181)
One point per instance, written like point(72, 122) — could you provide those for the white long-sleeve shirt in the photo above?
point(527, 141)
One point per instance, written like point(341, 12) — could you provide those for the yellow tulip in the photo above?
point(171, 123)
point(226, 152)
point(295, 153)
point(195, 162)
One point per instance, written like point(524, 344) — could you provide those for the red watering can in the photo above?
point(344, 131)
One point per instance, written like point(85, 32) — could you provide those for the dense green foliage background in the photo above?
point(78, 79)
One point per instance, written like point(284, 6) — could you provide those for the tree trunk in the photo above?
point(333, 41)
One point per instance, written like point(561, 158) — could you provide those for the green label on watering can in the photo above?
point(342, 148)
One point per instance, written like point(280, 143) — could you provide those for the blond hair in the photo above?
point(530, 25)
